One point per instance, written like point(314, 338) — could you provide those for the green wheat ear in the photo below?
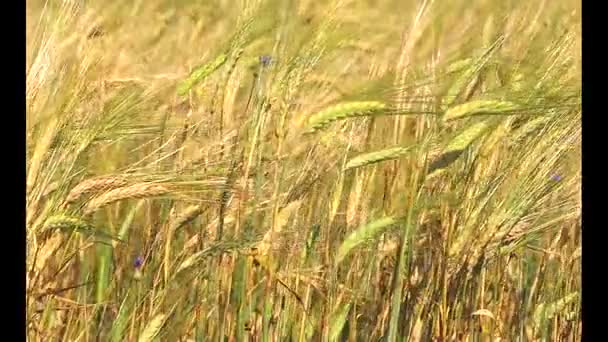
point(470, 73)
point(200, 73)
point(72, 224)
point(377, 157)
point(480, 107)
point(344, 111)
point(467, 137)
point(364, 234)
point(529, 128)
point(459, 65)
point(66, 223)
point(456, 146)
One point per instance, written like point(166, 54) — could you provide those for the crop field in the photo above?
point(298, 170)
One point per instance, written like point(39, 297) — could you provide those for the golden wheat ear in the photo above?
point(143, 190)
point(97, 184)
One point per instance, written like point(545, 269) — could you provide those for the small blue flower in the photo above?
point(556, 178)
point(265, 60)
point(139, 261)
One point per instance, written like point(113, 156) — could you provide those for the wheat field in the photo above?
point(297, 170)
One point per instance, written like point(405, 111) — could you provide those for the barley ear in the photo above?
point(363, 235)
point(459, 65)
point(133, 191)
point(200, 73)
point(480, 107)
point(470, 76)
point(94, 185)
point(343, 111)
point(153, 328)
point(66, 223)
point(71, 224)
point(189, 215)
point(377, 157)
point(456, 146)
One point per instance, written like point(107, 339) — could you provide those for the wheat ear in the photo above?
point(343, 111)
point(97, 184)
point(133, 191)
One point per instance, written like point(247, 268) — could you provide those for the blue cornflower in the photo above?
point(265, 60)
point(139, 261)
